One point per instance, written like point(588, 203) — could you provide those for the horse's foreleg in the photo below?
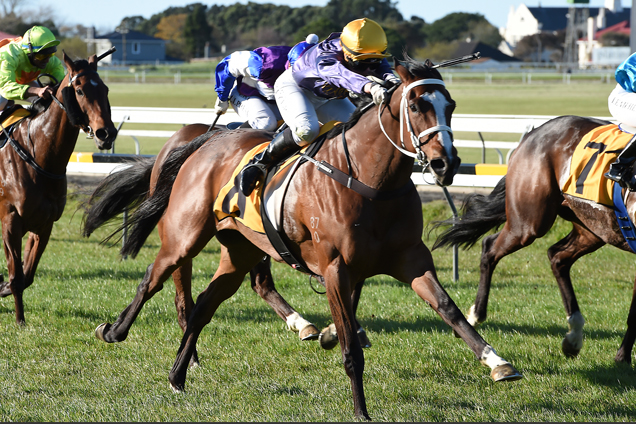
point(562, 256)
point(183, 301)
point(12, 240)
point(420, 272)
point(263, 285)
point(33, 250)
point(339, 293)
point(624, 353)
point(226, 281)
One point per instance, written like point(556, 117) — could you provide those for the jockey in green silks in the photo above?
point(25, 58)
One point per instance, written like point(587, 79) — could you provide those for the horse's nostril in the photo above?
point(438, 165)
point(105, 134)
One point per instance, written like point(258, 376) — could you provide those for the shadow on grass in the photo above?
point(617, 376)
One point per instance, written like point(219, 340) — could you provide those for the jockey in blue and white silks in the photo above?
point(622, 106)
point(246, 80)
point(316, 89)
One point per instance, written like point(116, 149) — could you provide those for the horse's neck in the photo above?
point(378, 163)
point(53, 139)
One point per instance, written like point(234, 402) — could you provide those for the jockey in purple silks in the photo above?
point(316, 87)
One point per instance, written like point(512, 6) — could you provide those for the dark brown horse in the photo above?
point(123, 191)
point(527, 201)
point(33, 169)
point(339, 234)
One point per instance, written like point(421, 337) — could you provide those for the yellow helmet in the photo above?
point(363, 39)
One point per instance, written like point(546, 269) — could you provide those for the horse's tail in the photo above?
point(479, 214)
point(116, 193)
point(150, 211)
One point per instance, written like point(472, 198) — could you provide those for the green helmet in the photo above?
point(38, 38)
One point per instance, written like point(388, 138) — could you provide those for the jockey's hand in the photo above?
point(378, 93)
point(42, 92)
point(220, 107)
point(391, 78)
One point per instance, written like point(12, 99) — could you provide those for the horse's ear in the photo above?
point(92, 61)
point(67, 60)
point(404, 73)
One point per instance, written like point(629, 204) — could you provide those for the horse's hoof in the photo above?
point(569, 350)
point(5, 289)
point(362, 337)
point(100, 330)
point(177, 389)
point(309, 332)
point(328, 337)
point(505, 372)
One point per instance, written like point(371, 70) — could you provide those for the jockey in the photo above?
point(316, 89)
point(23, 59)
point(622, 106)
point(299, 49)
point(246, 79)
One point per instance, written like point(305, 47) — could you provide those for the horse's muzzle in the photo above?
point(445, 170)
point(104, 137)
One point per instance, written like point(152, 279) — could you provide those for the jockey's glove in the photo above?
point(378, 93)
point(220, 107)
point(393, 79)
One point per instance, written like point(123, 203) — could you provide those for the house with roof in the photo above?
point(592, 53)
point(133, 47)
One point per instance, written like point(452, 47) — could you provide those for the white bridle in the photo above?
point(415, 140)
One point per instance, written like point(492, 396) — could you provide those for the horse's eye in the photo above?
point(79, 92)
point(413, 108)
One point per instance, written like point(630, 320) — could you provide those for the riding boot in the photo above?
point(620, 169)
point(282, 146)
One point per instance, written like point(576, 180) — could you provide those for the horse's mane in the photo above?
point(418, 69)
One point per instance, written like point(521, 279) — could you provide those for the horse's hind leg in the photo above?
point(183, 301)
point(562, 256)
point(624, 353)
point(263, 284)
point(233, 266)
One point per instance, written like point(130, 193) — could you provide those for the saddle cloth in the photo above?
point(14, 117)
point(591, 159)
point(231, 202)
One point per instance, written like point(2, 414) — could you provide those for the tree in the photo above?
point(197, 31)
point(171, 28)
point(530, 48)
point(460, 25)
point(614, 39)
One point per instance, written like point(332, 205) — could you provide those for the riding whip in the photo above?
point(214, 123)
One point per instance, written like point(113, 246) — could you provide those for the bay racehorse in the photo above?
point(33, 168)
point(340, 235)
point(527, 202)
point(123, 191)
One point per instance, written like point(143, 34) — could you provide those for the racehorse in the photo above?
point(124, 190)
point(33, 169)
point(527, 201)
point(342, 236)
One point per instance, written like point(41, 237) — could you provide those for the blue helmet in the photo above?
point(299, 49)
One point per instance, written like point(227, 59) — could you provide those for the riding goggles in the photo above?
point(44, 54)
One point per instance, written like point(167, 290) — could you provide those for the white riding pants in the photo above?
point(303, 111)
point(622, 106)
point(261, 115)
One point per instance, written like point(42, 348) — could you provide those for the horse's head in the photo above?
point(86, 101)
point(425, 114)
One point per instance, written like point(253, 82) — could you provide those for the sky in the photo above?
point(105, 15)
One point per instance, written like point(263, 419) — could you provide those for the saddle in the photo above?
point(9, 118)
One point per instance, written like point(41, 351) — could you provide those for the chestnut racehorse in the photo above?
point(341, 236)
point(527, 201)
point(33, 168)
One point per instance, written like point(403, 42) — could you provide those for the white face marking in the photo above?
point(440, 104)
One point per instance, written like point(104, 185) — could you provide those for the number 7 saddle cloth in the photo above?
point(591, 159)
